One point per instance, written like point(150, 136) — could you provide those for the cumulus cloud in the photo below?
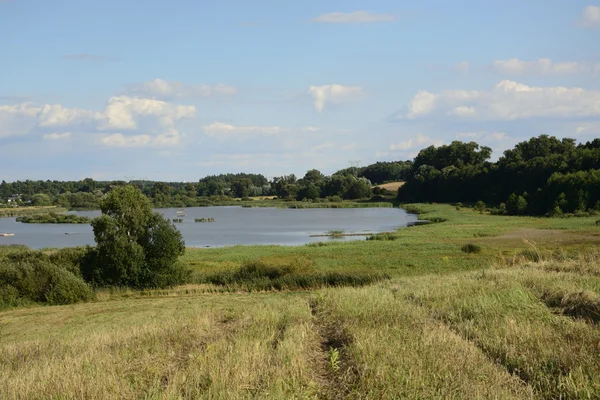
point(543, 66)
point(420, 141)
point(120, 140)
point(17, 119)
point(463, 111)
point(333, 94)
point(421, 104)
point(57, 136)
point(57, 115)
point(353, 17)
point(482, 135)
point(168, 90)
point(167, 139)
point(591, 16)
point(222, 130)
point(122, 113)
point(507, 100)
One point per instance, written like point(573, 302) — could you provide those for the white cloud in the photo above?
point(57, 136)
point(122, 112)
point(423, 103)
point(167, 90)
point(543, 66)
point(120, 140)
point(463, 111)
point(334, 94)
point(482, 135)
point(17, 119)
point(222, 130)
point(463, 66)
point(57, 115)
point(507, 100)
point(158, 120)
point(591, 16)
point(580, 129)
point(170, 138)
point(353, 17)
point(420, 141)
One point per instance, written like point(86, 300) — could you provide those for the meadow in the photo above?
point(410, 314)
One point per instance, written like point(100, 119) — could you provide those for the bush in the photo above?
point(437, 220)
point(383, 236)
point(54, 218)
point(598, 222)
point(71, 258)
point(471, 248)
point(32, 277)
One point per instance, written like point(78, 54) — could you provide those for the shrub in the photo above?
point(32, 277)
point(437, 220)
point(383, 236)
point(479, 206)
point(598, 222)
point(54, 218)
point(471, 248)
point(71, 258)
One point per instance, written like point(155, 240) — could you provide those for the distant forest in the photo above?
point(541, 176)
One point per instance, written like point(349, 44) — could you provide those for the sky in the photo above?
point(177, 90)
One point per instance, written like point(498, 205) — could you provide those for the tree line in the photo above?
point(350, 183)
point(541, 176)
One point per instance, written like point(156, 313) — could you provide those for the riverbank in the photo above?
point(515, 320)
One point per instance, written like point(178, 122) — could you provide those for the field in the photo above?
point(514, 315)
point(391, 186)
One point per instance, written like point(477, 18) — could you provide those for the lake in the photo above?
point(232, 226)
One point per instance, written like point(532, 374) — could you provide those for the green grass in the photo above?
point(519, 319)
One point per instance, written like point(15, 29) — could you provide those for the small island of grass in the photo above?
point(54, 218)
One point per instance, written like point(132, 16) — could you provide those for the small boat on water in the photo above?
point(6, 234)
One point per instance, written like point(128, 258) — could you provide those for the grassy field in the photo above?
point(518, 319)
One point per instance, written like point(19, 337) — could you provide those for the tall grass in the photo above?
point(298, 274)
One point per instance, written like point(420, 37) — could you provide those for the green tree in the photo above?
point(136, 247)
point(241, 187)
point(41, 199)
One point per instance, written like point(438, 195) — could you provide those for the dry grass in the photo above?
point(392, 186)
point(524, 328)
point(230, 347)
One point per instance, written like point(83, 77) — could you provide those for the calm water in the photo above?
point(233, 225)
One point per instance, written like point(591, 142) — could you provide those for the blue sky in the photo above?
point(181, 89)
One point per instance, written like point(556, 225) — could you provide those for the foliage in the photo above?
point(54, 218)
point(135, 246)
point(470, 248)
point(543, 175)
point(383, 236)
point(33, 276)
